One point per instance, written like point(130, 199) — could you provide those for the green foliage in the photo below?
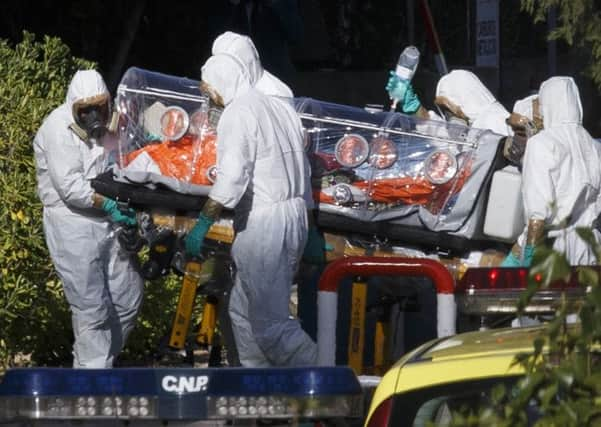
point(33, 316)
point(154, 321)
point(563, 371)
point(35, 322)
point(579, 23)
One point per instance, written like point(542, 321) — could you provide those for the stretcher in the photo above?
point(383, 182)
point(396, 176)
point(381, 176)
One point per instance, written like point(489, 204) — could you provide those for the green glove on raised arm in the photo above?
point(402, 91)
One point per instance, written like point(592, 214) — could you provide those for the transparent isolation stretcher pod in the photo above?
point(391, 167)
point(166, 131)
point(372, 167)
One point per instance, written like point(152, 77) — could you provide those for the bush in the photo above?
point(33, 313)
point(35, 322)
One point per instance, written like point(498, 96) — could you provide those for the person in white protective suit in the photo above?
point(243, 48)
point(102, 286)
point(561, 178)
point(461, 98)
point(525, 122)
point(264, 175)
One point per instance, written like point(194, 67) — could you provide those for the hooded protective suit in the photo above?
point(562, 171)
point(243, 48)
point(524, 106)
point(466, 90)
point(263, 174)
point(101, 285)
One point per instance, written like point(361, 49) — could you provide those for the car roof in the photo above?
point(462, 357)
point(479, 344)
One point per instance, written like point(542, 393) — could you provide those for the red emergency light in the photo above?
point(484, 291)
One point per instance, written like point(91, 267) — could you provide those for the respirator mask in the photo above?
point(92, 115)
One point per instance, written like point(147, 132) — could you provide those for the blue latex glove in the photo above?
point(119, 216)
point(316, 247)
point(512, 261)
point(402, 91)
point(196, 236)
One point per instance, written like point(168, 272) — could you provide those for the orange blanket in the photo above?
point(186, 159)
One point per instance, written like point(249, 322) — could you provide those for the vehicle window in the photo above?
point(439, 410)
point(436, 404)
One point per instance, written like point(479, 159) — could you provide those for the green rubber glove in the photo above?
point(528, 255)
point(196, 236)
point(316, 247)
point(396, 87)
point(512, 261)
point(117, 215)
point(403, 92)
point(411, 102)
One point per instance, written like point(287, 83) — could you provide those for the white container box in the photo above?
point(504, 218)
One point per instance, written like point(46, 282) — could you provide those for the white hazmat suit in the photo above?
point(465, 90)
point(243, 48)
point(101, 285)
point(562, 171)
point(263, 173)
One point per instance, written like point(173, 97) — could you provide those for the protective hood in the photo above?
point(243, 49)
point(560, 102)
point(85, 84)
point(228, 76)
point(272, 86)
point(467, 91)
point(524, 106)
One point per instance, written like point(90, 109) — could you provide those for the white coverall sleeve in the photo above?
point(236, 153)
point(538, 190)
point(66, 170)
